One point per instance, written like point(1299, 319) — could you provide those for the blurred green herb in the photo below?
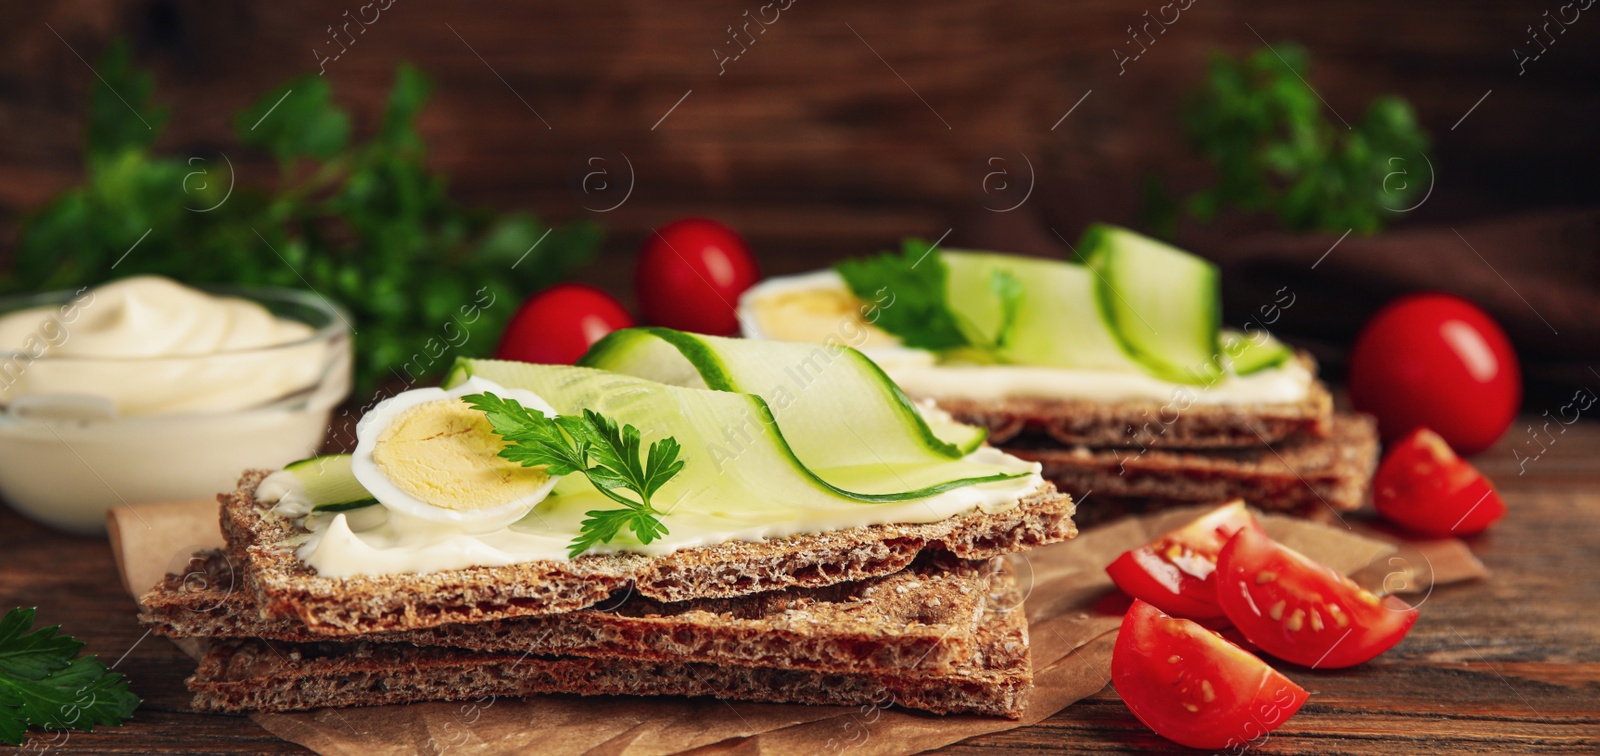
point(365, 224)
point(1259, 122)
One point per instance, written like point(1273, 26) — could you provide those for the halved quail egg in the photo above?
point(427, 454)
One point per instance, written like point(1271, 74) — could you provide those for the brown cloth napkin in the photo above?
point(1073, 613)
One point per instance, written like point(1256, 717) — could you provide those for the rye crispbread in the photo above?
point(1156, 424)
point(925, 616)
point(284, 586)
point(1299, 474)
point(258, 675)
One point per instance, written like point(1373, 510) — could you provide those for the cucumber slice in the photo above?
point(1059, 323)
point(319, 485)
point(737, 459)
point(1254, 352)
point(813, 390)
point(1162, 303)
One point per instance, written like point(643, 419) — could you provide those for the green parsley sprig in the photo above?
point(595, 446)
point(920, 313)
point(44, 683)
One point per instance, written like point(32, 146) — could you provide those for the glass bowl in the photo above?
point(81, 435)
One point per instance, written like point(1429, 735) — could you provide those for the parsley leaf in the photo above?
point(531, 438)
point(617, 455)
point(593, 444)
point(600, 526)
point(920, 314)
point(44, 683)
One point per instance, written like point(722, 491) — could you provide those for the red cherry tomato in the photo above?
point(1424, 486)
point(1301, 611)
point(1438, 361)
point(1194, 688)
point(557, 325)
point(691, 273)
point(1173, 572)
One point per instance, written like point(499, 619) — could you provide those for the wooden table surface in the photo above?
point(1508, 665)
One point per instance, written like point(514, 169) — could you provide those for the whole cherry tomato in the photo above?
point(557, 325)
point(1436, 360)
point(691, 273)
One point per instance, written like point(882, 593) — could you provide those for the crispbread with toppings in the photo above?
point(283, 586)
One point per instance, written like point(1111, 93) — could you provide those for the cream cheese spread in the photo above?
point(378, 540)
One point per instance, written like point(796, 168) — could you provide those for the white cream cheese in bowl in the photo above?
point(146, 390)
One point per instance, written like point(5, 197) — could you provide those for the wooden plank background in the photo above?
point(843, 127)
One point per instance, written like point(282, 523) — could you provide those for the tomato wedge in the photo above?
point(1173, 572)
point(1194, 688)
point(1301, 611)
point(1425, 487)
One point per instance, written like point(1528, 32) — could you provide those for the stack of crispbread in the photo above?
point(924, 616)
point(1299, 457)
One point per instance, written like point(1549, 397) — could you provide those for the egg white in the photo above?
point(371, 477)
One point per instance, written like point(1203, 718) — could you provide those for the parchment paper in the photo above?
point(1073, 614)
